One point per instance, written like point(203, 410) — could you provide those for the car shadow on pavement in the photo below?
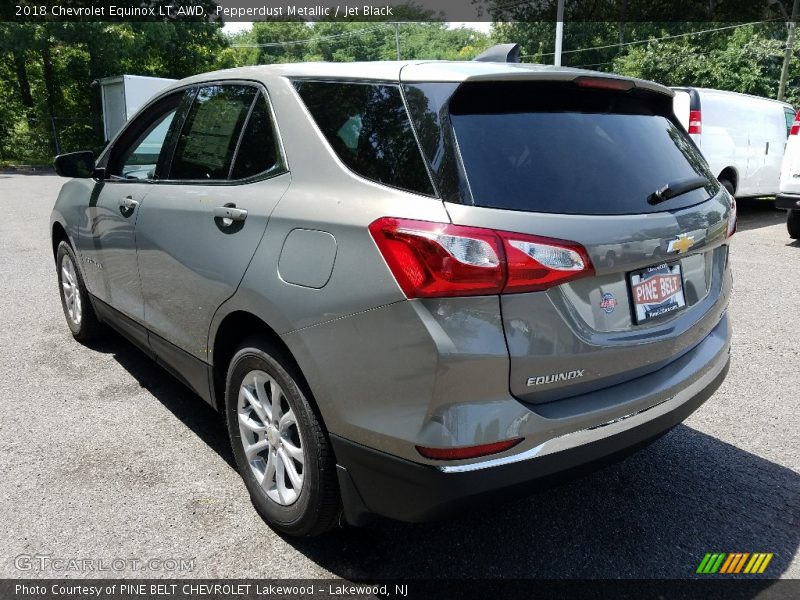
point(754, 213)
point(655, 515)
point(198, 416)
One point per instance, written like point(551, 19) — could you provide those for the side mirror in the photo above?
point(75, 164)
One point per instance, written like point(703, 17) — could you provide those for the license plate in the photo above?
point(657, 292)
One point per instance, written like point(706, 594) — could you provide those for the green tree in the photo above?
point(745, 59)
point(48, 70)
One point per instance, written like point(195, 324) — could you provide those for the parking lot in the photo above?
point(105, 456)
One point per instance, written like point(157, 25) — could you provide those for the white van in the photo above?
point(742, 137)
point(789, 196)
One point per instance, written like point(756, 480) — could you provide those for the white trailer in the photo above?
point(123, 95)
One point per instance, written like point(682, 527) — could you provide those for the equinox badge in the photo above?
point(565, 376)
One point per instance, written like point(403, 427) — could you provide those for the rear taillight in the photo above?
point(435, 259)
point(795, 130)
point(695, 121)
point(536, 263)
point(732, 218)
point(431, 260)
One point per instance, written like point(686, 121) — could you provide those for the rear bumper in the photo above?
point(788, 201)
point(375, 482)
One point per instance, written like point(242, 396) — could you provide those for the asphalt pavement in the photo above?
point(105, 456)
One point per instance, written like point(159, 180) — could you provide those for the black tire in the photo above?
point(84, 324)
point(727, 185)
point(317, 507)
point(793, 224)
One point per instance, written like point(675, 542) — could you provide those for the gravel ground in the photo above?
point(103, 455)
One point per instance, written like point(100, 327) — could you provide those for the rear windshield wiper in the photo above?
point(676, 188)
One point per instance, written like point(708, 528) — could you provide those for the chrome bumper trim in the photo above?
point(596, 432)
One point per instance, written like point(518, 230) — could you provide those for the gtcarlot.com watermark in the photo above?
point(42, 562)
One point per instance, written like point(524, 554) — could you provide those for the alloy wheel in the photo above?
point(69, 287)
point(271, 437)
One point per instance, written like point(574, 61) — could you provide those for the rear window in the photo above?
point(368, 127)
point(563, 149)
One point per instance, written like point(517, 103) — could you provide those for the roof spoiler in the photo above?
point(507, 53)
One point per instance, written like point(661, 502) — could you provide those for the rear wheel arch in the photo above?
point(730, 175)
point(235, 329)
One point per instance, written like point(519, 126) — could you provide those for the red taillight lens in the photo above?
point(431, 260)
point(536, 263)
point(462, 452)
point(795, 130)
point(438, 259)
point(695, 121)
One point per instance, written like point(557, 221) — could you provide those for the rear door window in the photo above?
point(208, 140)
point(258, 150)
point(563, 149)
point(368, 127)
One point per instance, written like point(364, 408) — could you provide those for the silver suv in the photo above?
point(408, 285)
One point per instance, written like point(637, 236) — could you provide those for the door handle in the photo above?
point(228, 214)
point(127, 205)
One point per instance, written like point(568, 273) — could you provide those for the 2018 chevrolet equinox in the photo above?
point(408, 285)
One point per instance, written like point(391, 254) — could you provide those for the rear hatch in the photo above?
point(583, 161)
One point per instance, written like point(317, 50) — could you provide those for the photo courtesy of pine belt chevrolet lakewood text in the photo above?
point(408, 286)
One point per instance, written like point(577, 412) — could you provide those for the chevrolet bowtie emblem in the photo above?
point(681, 244)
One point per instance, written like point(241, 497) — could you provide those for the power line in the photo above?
point(647, 41)
point(323, 38)
point(508, 5)
point(674, 59)
point(600, 64)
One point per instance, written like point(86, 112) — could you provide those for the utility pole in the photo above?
point(560, 31)
point(397, 38)
point(787, 55)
